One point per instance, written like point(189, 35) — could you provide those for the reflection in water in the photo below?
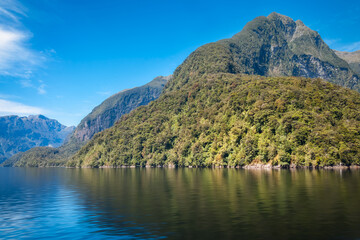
point(180, 203)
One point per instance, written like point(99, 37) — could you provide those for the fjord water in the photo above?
point(179, 204)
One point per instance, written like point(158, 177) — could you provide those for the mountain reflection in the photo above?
point(220, 203)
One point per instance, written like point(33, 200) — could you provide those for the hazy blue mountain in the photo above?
point(353, 58)
point(19, 134)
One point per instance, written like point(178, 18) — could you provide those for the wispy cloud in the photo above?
point(350, 47)
point(338, 45)
point(8, 96)
point(15, 108)
point(38, 85)
point(17, 58)
point(11, 9)
point(104, 93)
point(41, 87)
point(332, 42)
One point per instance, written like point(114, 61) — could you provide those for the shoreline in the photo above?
point(251, 166)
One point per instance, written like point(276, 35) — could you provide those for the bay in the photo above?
point(159, 203)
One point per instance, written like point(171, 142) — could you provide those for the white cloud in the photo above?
point(26, 83)
point(17, 58)
point(7, 96)
point(11, 9)
point(352, 47)
point(39, 86)
point(15, 108)
point(331, 42)
point(104, 93)
point(337, 45)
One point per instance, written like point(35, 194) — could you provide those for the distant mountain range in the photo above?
point(353, 58)
point(19, 134)
point(101, 118)
point(274, 94)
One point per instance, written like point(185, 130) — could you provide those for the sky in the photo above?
point(61, 58)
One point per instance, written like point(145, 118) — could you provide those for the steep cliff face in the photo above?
point(271, 46)
point(108, 112)
point(19, 134)
point(353, 58)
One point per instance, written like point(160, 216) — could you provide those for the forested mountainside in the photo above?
point(235, 120)
point(211, 114)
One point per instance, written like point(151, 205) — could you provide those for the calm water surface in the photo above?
point(179, 204)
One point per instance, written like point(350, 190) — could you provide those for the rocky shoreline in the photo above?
point(251, 166)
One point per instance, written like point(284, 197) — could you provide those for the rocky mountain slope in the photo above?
point(353, 58)
point(101, 117)
point(19, 134)
point(271, 46)
point(211, 114)
point(108, 112)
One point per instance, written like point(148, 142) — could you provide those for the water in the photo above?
point(179, 204)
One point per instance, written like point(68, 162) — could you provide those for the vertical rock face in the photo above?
point(19, 134)
point(272, 46)
point(353, 58)
point(108, 112)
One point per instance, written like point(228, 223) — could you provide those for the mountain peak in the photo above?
point(274, 16)
point(18, 134)
point(275, 45)
point(299, 23)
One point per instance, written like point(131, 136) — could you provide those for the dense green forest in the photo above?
point(235, 120)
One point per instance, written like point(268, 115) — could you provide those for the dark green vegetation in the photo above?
point(353, 58)
point(211, 115)
point(102, 117)
point(19, 134)
point(235, 120)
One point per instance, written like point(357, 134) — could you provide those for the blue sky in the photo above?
point(61, 58)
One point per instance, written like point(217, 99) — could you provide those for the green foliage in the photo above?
point(234, 120)
point(45, 156)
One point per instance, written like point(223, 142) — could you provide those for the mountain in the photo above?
point(108, 112)
point(101, 117)
point(19, 134)
point(353, 58)
point(272, 46)
point(216, 111)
